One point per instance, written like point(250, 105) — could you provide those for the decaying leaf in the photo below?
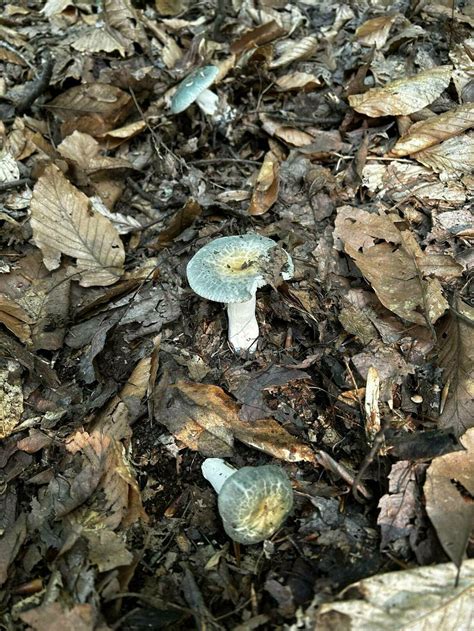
point(420, 598)
point(107, 549)
point(52, 616)
point(455, 155)
point(298, 81)
point(97, 40)
point(93, 108)
point(63, 223)
point(8, 167)
point(15, 318)
point(207, 420)
point(180, 221)
point(296, 50)
point(434, 130)
point(449, 493)
point(403, 96)
point(10, 544)
point(288, 134)
point(456, 356)
point(394, 267)
point(375, 32)
point(257, 37)
point(267, 186)
point(11, 402)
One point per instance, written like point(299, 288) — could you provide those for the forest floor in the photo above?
point(339, 131)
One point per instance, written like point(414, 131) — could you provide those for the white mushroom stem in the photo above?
point(216, 471)
point(243, 326)
point(208, 102)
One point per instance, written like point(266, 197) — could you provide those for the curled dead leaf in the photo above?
point(267, 186)
point(403, 96)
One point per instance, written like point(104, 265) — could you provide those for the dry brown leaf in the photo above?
point(11, 541)
point(180, 221)
point(449, 489)
point(295, 51)
point(100, 40)
point(417, 599)
point(403, 96)
point(394, 267)
point(455, 155)
point(35, 301)
point(94, 108)
point(288, 134)
point(207, 420)
point(52, 616)
point(63, 223)
point(434, 130)
point(116, 137)
point(456, 355)
point(257, 37)
point(267, 185)
point(171, 7)
point(122, 16)
point(375, 32)
point(15, 318)
point(11, 402)
point(84, 151)
point(298, 81)
point(107, 549)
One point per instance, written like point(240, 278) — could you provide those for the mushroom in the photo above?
point(230, 270)
point(253, 502)
point(194, 88)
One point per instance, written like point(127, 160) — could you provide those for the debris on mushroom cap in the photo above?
point(191, 87)
point(254, 502)
point(231, 269)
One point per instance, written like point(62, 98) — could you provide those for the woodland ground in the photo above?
point(342, 132)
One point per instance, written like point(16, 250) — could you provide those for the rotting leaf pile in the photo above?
point(344, 134)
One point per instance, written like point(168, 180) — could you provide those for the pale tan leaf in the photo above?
point(15, 318)
point(449, 484)
point(207, 420)
point(115, 137)
point(434, 130)
point(267, 186)
point(455, 155)
point(54, 7)
point(298, 81)
point(63, 224)
point(171, 7)
point(123, 223)
point(417, 599)
point(395, 273)
point(84, 150)
point(288, 134)
point(375, 32)
point(107, 549)
point(98, 40)
point(403, 96)
point(123, 17)
point(8, 167)
point(257, 37)
point(456, 355)
point(11, 402)
point(296, 50)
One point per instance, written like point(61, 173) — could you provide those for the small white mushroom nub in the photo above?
point(230, 270)
point(253, 502)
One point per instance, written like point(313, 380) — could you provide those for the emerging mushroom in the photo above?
point(230, 270)
point(253, 502)
point(194, 88)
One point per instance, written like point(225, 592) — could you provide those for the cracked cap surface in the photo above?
point(231, 269)
point(254, 502)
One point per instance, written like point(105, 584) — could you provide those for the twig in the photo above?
point(5, 186)
point(36, 87)
point(220, 160)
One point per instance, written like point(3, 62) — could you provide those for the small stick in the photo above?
point(36, 87)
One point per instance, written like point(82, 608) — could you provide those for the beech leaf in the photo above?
point(63, 223)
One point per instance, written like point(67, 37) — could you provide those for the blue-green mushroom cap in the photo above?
point(231, 269)
point(254, 502)
point(191, 87)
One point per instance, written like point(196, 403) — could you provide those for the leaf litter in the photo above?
point(345, 136)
